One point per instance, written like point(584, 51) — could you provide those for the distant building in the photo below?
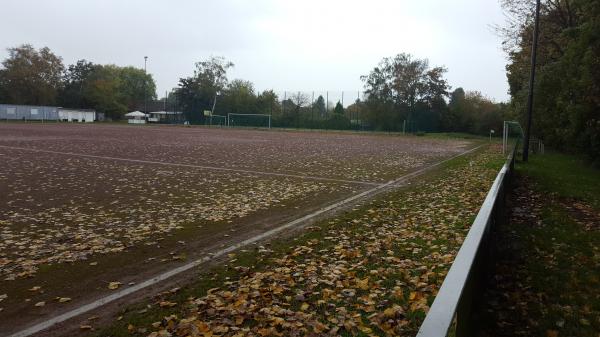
point(76, 115)
point(136, 117)
point(42, 113)
point(164, 116)
point(28, 112)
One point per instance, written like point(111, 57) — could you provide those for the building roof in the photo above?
point(135, 114)
point(165, 113)
point(76, 109)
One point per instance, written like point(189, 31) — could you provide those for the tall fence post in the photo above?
point(312, 111)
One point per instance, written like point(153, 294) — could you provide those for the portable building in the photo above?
point(76, 115)
point(45, 113)
point(28, 112)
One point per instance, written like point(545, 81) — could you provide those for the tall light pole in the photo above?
point(175, 115)
point(145, 91)
point(213, 108)
point(531, 81)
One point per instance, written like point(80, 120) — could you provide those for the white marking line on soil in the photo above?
point(161, 277)
point(194, 166)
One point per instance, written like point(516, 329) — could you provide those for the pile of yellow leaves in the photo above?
point(374, 274)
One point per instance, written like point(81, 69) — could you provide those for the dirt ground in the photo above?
point(87, 205)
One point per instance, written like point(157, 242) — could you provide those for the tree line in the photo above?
point(405, 92)
point(39, 77)
point(566, 113)
point(401, 93)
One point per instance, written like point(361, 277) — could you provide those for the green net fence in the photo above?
point(249, 120)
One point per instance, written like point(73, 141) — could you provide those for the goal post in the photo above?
point(218, 120)
point(512, 134)
point(212, 119)
point(249, 120)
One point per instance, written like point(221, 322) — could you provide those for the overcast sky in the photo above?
point(283, 45)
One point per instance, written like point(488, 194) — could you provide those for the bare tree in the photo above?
point(300, 100)
point(555, 16)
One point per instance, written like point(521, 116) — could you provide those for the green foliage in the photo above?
point(38, 77)
point(102, 91)
point(403, 88)
point(30, 76)
point(567, 175)
point(319, 106)
point(405, 94)
point(547, 253)
point(267, 103)
point(197, 93)
point(402, 92)
point(109, 89)
point(339, 109)
point(238, 97)
point(76, 79)
point(473, 113)
point(133, 82)
point(337, 121)
point(566, 92)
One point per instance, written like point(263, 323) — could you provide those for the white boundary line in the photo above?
point(194, 166)
point(163, 276)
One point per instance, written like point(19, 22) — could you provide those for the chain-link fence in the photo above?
point(325, 109)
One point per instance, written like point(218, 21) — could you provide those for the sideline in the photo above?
point(165, 275)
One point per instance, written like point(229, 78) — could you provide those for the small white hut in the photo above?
point(136, 117)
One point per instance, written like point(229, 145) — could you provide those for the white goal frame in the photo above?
point(506, 134)
point(224, 118)
point(237, 114)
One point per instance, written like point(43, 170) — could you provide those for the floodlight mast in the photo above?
point(145, 91)
point(213, 107)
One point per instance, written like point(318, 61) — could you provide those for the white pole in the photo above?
point(357, 113)
point(212, 111)
point(504, 138)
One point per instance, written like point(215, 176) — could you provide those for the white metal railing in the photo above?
point(455, 297)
